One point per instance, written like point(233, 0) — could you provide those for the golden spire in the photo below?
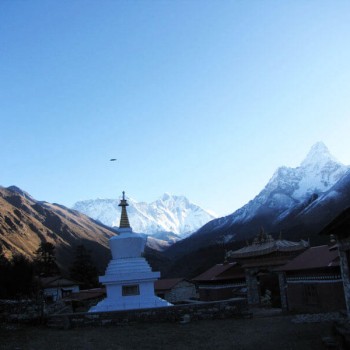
point(124, 220)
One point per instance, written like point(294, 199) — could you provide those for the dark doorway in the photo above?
point(269, 288)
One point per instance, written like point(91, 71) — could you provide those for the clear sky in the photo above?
point(200, 98)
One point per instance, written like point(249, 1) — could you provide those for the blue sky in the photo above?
point(200, 98)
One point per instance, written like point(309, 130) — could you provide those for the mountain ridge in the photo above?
point(297, 202)
point(288, 193)
point(26, 222)
point(168, 214)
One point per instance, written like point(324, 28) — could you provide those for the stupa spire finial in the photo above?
point(124, 220)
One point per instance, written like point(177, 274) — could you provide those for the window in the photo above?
point(130, 290)
point(66, 292)
point(49, 299)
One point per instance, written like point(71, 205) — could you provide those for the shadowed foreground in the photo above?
point(258, 333)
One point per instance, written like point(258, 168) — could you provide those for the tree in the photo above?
point(45, 260)
point(16, 277)
point(5, 273)
point(83, 269)
point(22, 276)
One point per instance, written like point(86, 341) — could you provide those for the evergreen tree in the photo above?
point(16, 277)
point(45, 260)
point(22, 276)
point(5, 273)
point(83, 269)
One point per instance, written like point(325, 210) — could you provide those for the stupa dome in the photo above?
point(127, 245)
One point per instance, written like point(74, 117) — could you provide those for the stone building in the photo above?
point(129, 279)
point(260, 261)
point(339, 232)
point(314, 282)
point(175, 290)
point(220, 282)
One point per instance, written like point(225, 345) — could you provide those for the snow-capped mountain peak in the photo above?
point(316, 174)
point(169, 213)
point(296, 202)
point(165, 197)
point(289, 187)
point(318, 155)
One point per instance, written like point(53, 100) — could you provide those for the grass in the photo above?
point(258, 333)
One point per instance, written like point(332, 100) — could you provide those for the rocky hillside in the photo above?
point(25, 222)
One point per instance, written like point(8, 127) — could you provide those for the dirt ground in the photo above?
point(272, 332)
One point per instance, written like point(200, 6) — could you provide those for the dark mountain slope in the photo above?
point(296, 202)
point(320, 212)
point(25, 222)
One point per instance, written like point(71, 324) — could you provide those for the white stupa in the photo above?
point(129, 279)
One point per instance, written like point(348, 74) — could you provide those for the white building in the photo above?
point(57, 287)
point(129, 279)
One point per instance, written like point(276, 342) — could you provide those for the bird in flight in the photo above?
point(112, 159)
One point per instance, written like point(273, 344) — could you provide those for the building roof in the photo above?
point(263, 248)
point(87, 294)
point(167, 283)
point(57, 281)
point(313, 258)
point(340, 226)
point(221, 272)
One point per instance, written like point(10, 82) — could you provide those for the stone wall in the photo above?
point(221, 292)
point(198, 311)
point(327, 297)
point(344, 255)
point(28, 311)
point(182, 291)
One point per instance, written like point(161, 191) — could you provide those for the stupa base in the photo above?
point(107, 305)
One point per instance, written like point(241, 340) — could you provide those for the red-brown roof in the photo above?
point(87, 294)
point(166, 283)
point(221, 272)
point(259, 249)
point(57, 281)
point(313, 258)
